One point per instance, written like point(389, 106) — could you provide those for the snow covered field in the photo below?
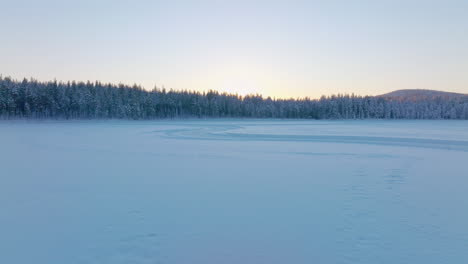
point(233, 191)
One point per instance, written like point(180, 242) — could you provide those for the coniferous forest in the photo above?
point(88, 100)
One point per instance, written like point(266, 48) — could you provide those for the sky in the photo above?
point(281, 49)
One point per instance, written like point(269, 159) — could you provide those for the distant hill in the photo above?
point(421, 94)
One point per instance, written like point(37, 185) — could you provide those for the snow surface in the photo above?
point(233, 191)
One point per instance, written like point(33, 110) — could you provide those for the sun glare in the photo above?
point(241, 87)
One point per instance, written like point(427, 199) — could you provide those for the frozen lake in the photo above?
point(233, 191)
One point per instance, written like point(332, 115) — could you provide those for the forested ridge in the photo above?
point(95, 100)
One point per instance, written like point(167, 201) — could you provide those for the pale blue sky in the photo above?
point(277, 48)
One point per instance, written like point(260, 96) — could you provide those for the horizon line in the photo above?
point(220, 91)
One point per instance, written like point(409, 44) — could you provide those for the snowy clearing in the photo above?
point(233, 191)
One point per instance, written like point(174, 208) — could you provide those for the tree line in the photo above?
point(95, 100)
